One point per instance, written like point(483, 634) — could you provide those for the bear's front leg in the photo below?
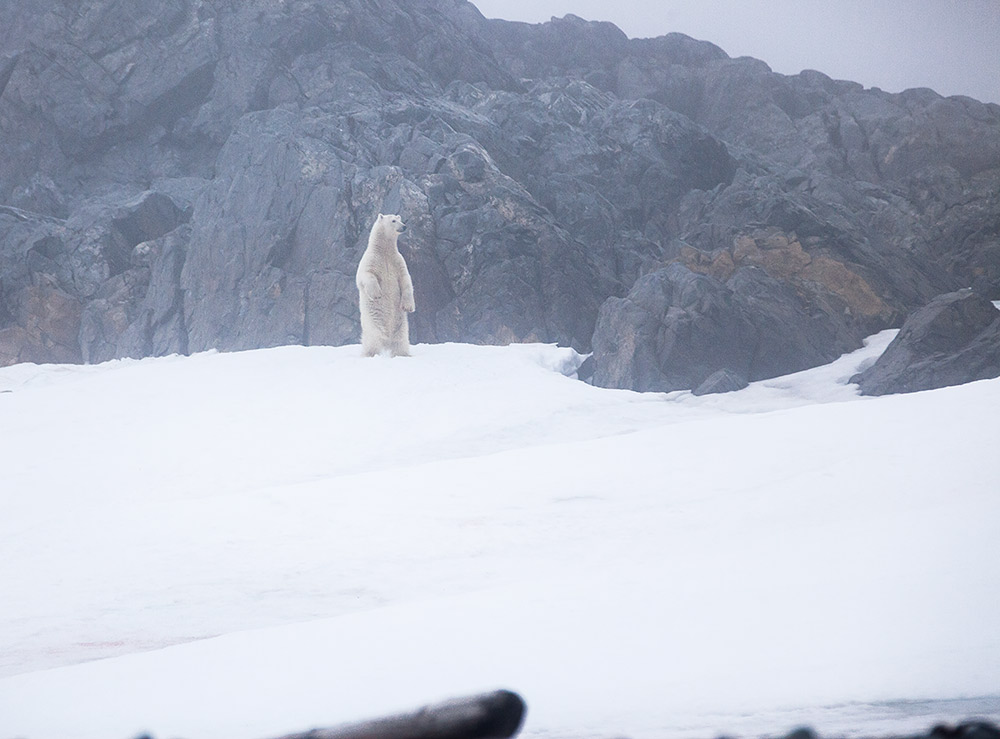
point(406, 293)
point(368, 282)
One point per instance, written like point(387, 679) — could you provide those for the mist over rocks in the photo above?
point(185, 175)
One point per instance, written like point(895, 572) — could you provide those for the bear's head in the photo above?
point(392, 223)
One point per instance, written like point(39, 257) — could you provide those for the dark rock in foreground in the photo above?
point(953, 340)
point(496, 715)
point(973, 729)
point(500, 715)
point(967, 730)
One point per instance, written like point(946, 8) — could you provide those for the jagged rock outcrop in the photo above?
point(166, 186)
point(952, 340)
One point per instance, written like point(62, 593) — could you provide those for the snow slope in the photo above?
point(243, 545)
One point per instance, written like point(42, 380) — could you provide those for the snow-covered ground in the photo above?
point(243, 545)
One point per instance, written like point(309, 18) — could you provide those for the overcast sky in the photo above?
point(951, 46)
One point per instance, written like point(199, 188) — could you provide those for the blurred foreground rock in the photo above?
point(500, 715)
point(973, 729)
point(496, 715)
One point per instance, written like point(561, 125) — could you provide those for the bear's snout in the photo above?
point(402, 227)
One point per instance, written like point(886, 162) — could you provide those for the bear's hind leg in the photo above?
point(370, 345)
point(399, 345)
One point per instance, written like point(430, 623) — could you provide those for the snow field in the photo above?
point(249, 544)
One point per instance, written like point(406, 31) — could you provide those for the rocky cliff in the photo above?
point(178, 175)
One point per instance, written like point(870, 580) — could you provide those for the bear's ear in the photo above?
point(380, 216)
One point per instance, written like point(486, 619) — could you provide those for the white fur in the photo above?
point(385, 291)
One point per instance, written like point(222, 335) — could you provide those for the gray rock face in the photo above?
point(488, 263)
point(952, 340)
point(167, 186)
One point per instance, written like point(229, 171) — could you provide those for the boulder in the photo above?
point(676, 328)
point(673, 330)
point(722, 381)
point(952, 340)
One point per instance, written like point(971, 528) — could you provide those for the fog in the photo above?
point(950, 46)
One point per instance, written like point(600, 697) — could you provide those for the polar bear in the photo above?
point(385, 291)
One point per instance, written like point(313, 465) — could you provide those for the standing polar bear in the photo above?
point(385, 291)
